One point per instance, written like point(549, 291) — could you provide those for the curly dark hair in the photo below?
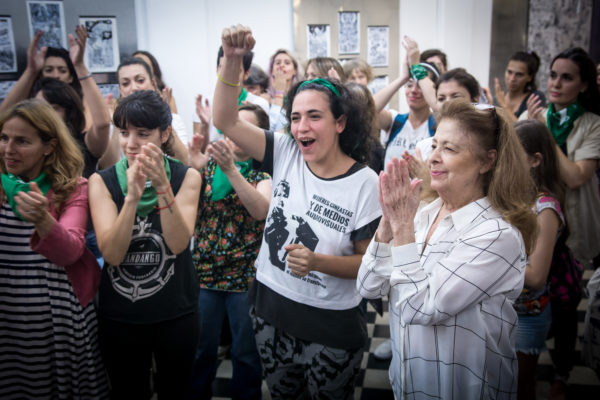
point(354, 138)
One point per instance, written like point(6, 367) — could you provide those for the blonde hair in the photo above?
point(508, 184)
point(64, 164)
point(360, 65)
point(323, 64)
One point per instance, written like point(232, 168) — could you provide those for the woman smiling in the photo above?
point(453, 268)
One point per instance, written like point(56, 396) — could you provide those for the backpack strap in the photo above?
point(431, 124)
point(397, 126)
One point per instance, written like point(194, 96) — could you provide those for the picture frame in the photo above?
point(102, 47)
point(318, 39)
point(378, 46)
point(348, 32)
point(49, 17)
point(8, 54)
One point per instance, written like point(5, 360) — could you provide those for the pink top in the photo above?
point(65, 244)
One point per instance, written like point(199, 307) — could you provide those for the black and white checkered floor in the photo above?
point(373, 382)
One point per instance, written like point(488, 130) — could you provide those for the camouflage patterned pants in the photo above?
point(297, 369)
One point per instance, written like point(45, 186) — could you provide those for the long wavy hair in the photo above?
point(508, 184)
point(353, 140)
point(62, 94)
point(64, 165)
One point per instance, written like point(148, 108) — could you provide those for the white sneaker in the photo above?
point(383, 352)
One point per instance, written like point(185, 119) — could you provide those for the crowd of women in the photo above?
point(473, 225)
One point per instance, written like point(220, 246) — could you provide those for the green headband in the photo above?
point(322, 82)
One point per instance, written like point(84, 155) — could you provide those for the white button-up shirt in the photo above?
point(452, 321)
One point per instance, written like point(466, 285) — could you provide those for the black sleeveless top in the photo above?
point(151, 284)
point(90, 161)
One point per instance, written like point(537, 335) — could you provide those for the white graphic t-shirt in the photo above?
point(406, 139)
point(319, 213)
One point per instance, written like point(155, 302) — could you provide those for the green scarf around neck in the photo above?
point(221, 186)
point(149, 200)
point(241, 98)
point(12, 184)
point(561, 131)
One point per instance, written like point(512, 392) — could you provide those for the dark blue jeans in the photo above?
point(214, 306)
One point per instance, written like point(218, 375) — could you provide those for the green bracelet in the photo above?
point(418, 72)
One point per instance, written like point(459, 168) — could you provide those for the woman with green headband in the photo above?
point(573, 118)
point(144, 209)
point(48, 278)
point(309, 328)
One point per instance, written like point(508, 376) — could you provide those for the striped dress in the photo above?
point(48, 342)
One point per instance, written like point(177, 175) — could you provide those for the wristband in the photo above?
point(226, 82)
point(158, 209)
point(166, 191)
point(86, 76)
point(418, 72)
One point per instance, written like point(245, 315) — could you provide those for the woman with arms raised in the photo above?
point(144, 210)
point(310, 330)
point(453, 268)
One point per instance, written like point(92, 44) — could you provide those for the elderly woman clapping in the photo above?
point(453, 268)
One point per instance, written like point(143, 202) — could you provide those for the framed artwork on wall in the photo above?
point(8, 55)
point(48, 17)
point(349, 32)
point(319, 41)
point(102, 48)
point(378, 45)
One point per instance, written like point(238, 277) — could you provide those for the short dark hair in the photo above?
point(463, 78)
point(257, 77)
point(64, 54)
point(155, 68)
point(135, 61)
point(60, 93)
point(246, 61)
point(145, 109)
point(532, 61)
point(259, 113)
point(433, 53)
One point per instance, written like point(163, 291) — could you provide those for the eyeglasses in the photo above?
point(483, 107)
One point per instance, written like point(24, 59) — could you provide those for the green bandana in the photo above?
point(12, 184)
point(322, 82)
point(149, 200)
point(221, 186)
point(242, 97)
point(561, 131)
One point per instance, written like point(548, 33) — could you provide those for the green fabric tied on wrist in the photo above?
point(12, 185)
point(418, 72)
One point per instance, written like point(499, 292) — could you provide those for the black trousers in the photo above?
point(564, 330)
point(127, 350)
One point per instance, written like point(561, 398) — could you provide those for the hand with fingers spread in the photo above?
point(222, 152)
point(35, 57)
point(300, 259)
point(400, 196)
point(198, 158)
point(77, 45)
point(203, 109)
point(33, 205)
point(152, 164)
point(534, 108)
point(237, 40)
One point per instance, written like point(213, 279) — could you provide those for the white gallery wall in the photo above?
point(184, 35)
